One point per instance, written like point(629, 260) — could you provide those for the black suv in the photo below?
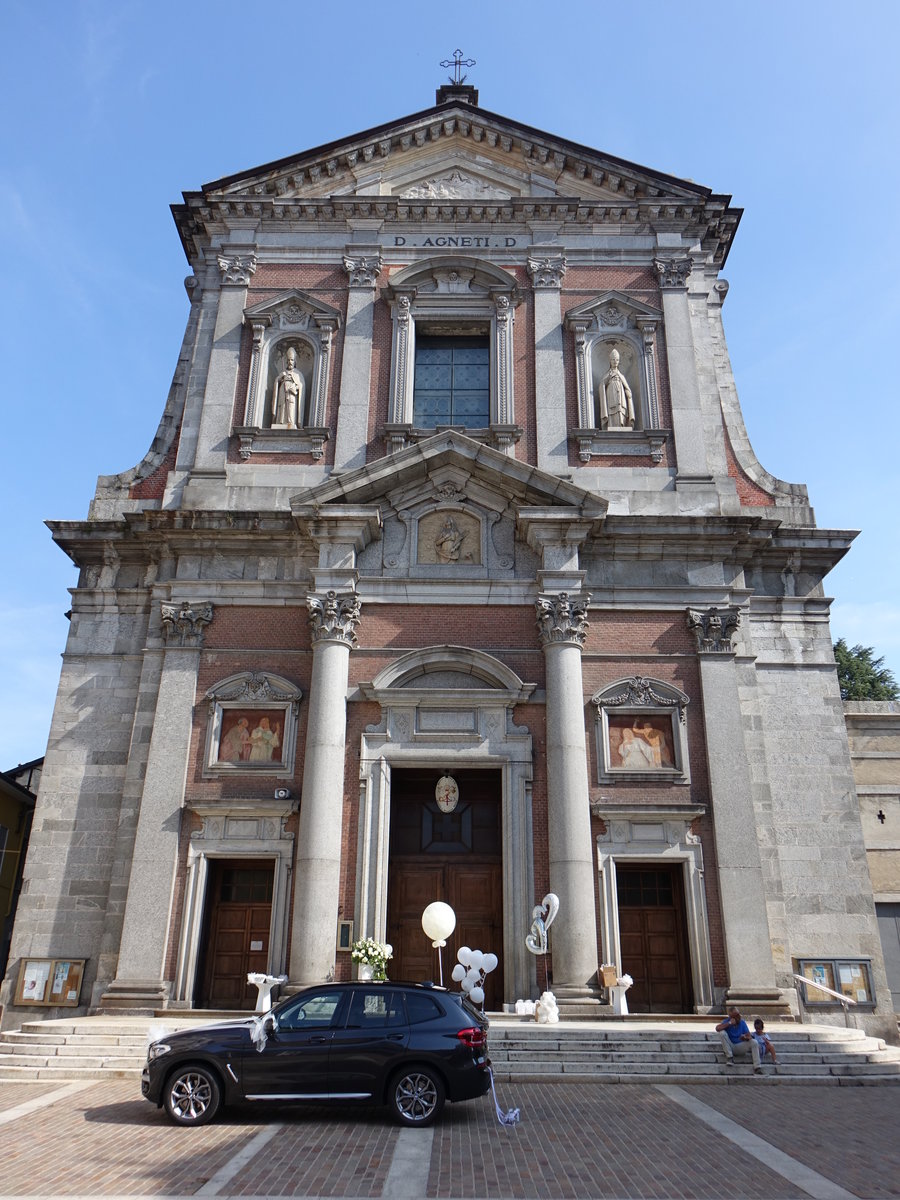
point(410, 1046)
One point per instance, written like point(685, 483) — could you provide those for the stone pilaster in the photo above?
point(140, 983)
point(362, 265)
point(562, 625)
point(748, 950)
point(333, 619)
point(547, 271)
point(216, 417)
point(687, 417)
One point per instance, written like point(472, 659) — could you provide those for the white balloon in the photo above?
point(459, 972)
point(490, 963)
point(476, 959)
point(466, 985)
point(438, 921)
point(473, 977)
point(464, 954)
point(477, 995)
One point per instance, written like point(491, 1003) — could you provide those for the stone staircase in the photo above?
point(87, 1048)
point(656, 1053)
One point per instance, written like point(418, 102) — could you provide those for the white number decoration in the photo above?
point(543, 916)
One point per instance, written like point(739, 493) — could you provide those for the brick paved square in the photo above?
point(851, 1135)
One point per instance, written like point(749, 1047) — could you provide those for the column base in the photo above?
point(140, 997)
point(578, 1001)
point(762, 1002)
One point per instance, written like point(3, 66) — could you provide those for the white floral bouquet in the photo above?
point(373, 954)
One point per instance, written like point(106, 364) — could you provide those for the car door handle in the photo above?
point(395, 1037)
point(317, 1041)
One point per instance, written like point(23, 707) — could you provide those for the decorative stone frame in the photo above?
point(251, 830)
point(615, 320)
point(655, 835)
point(291, 318)
point(250, 691)
point(438, 702)
point(641, 697)
point(462, 292)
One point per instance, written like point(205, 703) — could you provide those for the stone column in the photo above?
point(140, 983)
point(547, 271)
point(687, 417)
point(218, 400)
point(333, 619)
point(562, 624)
point(356, 369)
point(748, 950)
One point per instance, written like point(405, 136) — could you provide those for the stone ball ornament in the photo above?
point(438, 922)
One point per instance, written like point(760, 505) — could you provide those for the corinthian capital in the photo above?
point(237, 269)
point(548, 271)
point(183, 624)
point(334, 618)
point(363, 270)
point(714, 628)
point(673, 273)
point(562, 618)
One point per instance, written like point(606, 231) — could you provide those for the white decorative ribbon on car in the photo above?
point(511, 1116)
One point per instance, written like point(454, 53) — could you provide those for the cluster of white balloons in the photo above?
point(471, 970)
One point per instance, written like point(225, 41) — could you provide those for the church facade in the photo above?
point(451, 575)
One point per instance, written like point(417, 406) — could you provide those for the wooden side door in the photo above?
point(240, 915)
point(653, 938)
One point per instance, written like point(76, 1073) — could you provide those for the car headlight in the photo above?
point(156, 1050)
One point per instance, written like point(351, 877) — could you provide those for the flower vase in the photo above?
point(365, 971)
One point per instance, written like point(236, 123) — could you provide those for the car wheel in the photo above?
point(416, 1096)
point(192, 1096)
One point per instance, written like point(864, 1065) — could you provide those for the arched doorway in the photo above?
point(451, 856)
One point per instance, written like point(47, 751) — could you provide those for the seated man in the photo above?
point(737, 1039)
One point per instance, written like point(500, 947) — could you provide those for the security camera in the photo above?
point(282, 793)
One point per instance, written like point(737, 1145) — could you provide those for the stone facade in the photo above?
point(873, 730)
point(449, 557)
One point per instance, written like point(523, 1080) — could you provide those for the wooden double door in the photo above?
point(653, 937)
point(455, 857)
point(238, 919)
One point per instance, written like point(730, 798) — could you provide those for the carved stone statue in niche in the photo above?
point(448, 542)
point(614, 394)
point(288, 394)
point(449, 538)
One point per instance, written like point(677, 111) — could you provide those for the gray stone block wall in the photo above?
point(820, 896)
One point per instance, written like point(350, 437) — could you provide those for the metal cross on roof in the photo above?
point(457, 62)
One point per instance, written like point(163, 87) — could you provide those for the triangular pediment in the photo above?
point(611, 308)
point(454, 151)
point(295, 309)
point(448, 467)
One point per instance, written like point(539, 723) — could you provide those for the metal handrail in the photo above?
point(846, 1001)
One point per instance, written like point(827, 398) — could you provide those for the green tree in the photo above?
point(862, 676)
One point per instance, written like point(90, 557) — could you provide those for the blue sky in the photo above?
point(112, 109)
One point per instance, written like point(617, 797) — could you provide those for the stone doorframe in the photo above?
point(449, 707)
point(654, 836)
point(249, 831)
